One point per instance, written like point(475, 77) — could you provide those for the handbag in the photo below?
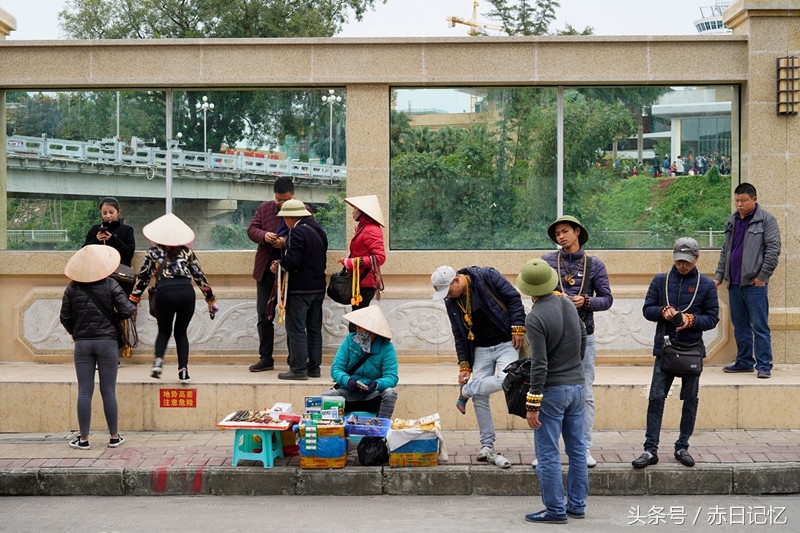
point(516, 386)
point(677, 358)
point(340, 287)
point(152, 291)
point(123, 274)
point(682, 360)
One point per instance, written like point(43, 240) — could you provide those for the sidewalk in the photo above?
point(728, 462)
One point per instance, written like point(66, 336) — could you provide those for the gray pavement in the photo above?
point(371, 514)
point(190, 463)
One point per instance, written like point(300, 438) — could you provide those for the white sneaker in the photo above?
point(534, 463)
point(590, 462)
point(484, 453)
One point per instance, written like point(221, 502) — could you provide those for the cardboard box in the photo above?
point(405, 460)
point(422, 451)
point(322, 446)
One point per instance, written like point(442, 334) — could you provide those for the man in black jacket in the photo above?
point(304, 264)
point(488, 322)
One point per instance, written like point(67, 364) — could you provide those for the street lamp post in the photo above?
point(330, 100)
point(206, 106)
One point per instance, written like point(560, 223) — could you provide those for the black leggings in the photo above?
point(174, 303)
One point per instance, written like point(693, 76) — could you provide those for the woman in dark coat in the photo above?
point(112, 232)
point(91, 304)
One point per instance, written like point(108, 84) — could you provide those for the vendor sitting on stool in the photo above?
point(365, 366)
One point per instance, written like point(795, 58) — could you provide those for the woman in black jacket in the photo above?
point(113, 232)
point(91, 304)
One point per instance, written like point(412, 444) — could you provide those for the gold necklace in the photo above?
point(466, 308)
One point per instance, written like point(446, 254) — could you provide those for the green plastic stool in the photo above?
point(245, 446)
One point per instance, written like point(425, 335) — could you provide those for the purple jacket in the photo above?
point(596, 287)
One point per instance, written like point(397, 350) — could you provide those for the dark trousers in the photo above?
point(266, 328)
point(174, 305)
point(659, 388)
point(304, 331)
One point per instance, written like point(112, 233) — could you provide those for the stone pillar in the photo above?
point(7, 24)
point(368, 117)
point(3, 174)
point(770, 153)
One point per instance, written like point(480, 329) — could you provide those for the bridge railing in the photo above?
point(113, 152)
point(37, 235)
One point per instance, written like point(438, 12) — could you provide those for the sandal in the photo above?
point(461, 404)
point(501, 461)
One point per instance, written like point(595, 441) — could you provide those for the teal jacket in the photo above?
point(381, 365)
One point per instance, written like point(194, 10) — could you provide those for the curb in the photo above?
point(443, 480)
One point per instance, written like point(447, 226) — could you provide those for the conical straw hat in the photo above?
point(168, 230)
point(371, 319)
point(369, 205)
point(92, 263)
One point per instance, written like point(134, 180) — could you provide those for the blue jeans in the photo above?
point(659, 388)
point(304, 331)
point(562, 413)
point(487, 378)
point(588, 374)
point(750, 318)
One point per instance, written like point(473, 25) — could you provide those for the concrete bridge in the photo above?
point(42, 167)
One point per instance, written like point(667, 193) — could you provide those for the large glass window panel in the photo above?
point(67, 150)
point(480, 172)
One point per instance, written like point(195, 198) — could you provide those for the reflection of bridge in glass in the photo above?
point(47, 167)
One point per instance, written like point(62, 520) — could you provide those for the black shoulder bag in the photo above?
point(152, 291)
point(677, 358)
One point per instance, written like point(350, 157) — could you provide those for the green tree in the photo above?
point(524, 17)
point(179, 19)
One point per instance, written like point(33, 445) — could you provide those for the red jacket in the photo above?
point(367, 241)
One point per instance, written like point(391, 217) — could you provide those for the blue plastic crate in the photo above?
point(367, 426)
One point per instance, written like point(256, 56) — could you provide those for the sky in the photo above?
point(38, 19)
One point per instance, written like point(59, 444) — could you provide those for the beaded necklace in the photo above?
point(466, 308)
point(570, 276)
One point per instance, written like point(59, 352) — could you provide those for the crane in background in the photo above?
point(475, 27)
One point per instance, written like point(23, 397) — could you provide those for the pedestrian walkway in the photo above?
point(728, 462)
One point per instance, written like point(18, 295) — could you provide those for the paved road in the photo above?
point(376, 514)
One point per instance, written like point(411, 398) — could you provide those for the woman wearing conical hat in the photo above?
point(88, 306)
point(174, 265)
point(366, 246)
point(365, 366)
